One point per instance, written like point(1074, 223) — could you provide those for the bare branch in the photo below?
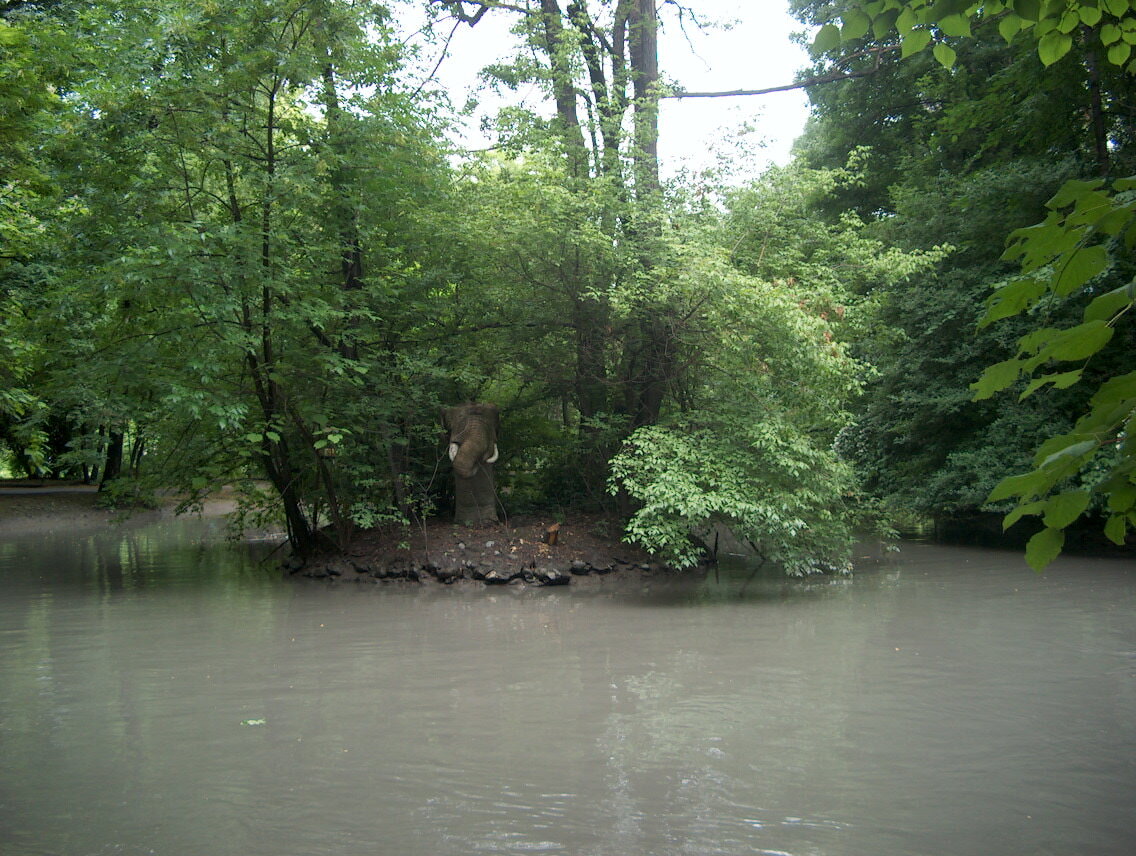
point(832, 77)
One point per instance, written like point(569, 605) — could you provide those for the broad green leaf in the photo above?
point(1118, 54)
point(1035, 340)
point(1090, 15)
point(1011, 25)
point(945, 54)
point(955, 25)
point(1121, 497)
point(1052, 46)
point(1079, 268)
point(1024, 485)
point(1062, 455)
point(856, 25)
point(1044, 547)
point(1059, 381)
point(1109, 34)
point(914, 42)
point(882, 24)
point(1078, 343)
point(1028, 9)
point(1116, 390)
point(1116, 7)
point(1069, 22)
point(827, 38)
point(1115, 528)
point(1105, 306)
point(1063, 509)
point(907, 20)
point(1012, 298)
point(1020, 511)
point(996, 378)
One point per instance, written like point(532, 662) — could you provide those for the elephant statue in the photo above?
point(473, 451)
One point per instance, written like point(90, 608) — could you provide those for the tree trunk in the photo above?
point(112, 468)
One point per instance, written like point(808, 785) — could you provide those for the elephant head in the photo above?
point(473, 436)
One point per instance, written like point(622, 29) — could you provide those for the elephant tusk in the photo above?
point(453, 450)
point(493, 459)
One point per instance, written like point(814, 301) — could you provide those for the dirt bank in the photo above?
point(30, 506)
point(530, 550)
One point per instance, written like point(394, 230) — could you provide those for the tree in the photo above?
point(1077, 258)
point(252, 244)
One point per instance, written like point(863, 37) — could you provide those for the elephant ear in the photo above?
point(446, 417)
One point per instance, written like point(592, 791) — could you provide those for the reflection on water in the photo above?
point(162, 693)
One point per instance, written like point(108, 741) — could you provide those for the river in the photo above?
point(164, 693)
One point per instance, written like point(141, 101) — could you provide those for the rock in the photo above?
point(447, 575)
point(293, 564)
point(580, 567)
point(551, 577)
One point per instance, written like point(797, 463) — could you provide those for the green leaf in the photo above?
point(1078, 343)
point(1012, 298)
point(996, 378)
point(1052, 46)
point(1116, 390)
point(1028, 9)
point(1084, 264)
point(1118, 54)
point(907, 21)
point(1011, 25)
point(945, 54)
point(883, 23)
point(1023, 485)
point(1063, 509)
point(1109, 34)
point(1116, 7)
point(1020, 511)
point(1071, 191)
point(1044, 547)
point(1059, 381)
point(1074, 450)
point(955, 25)
point(856, 25)
point(827, 39)
point(1115, 529)
point(1090, 15)
point(1122, 496)
point(914, 42)
point(1105, 306)
point(1069, 22)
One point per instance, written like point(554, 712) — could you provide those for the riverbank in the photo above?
point(43, 505)
point(532, 550)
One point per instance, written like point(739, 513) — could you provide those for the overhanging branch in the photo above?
point(877, 52)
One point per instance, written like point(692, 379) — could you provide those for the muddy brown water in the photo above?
point(162, 693)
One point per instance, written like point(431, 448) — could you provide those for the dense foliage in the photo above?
point(237, 249)
point(995, 123)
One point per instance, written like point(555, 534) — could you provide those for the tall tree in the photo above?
point(266, 161)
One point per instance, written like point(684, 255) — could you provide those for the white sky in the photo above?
point(754, 53)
